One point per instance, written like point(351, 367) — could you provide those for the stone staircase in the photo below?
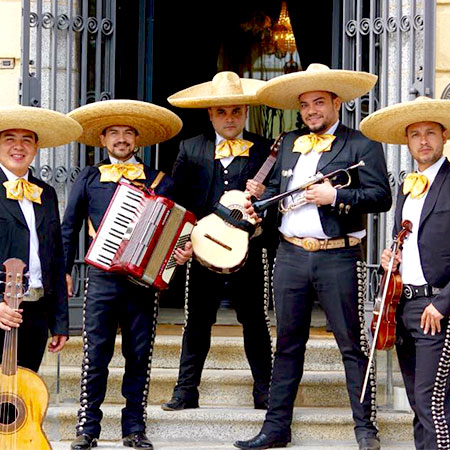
point(322, 414)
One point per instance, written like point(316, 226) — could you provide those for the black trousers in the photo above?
point(32, 335)
point(250, 302)
point(331, 276)
point(425, 362)
point(112, 301)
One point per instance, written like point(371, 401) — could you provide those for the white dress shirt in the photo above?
point(132, 160)
point(26, 206)
point(411, 267)
point(304, 221)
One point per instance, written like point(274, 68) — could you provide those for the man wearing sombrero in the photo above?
point(224, 158)
point(30, 230)
point(320, 255)
point(423, 340)
point(111, 300)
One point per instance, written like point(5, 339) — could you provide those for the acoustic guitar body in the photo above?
point(23, 404)
point(217, 244)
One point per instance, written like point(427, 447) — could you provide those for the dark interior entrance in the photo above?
point(179, 44)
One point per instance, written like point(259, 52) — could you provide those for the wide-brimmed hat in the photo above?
point(389, 124)
point(51, 127)
point(153, 123)
point(283, 91)
point(225, 89)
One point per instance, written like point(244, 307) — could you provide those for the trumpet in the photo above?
point(261, 205)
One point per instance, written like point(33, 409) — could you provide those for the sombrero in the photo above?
point(153, 123)
point(225, 89)
point(52, 128)
point(283, 91)
point(389, 124)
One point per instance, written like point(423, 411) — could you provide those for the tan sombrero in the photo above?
point(225, 89)
point(283, 91)
point(153, 123)
point(389, 124)
point(52, 128)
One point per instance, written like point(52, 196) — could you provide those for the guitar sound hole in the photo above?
point(8, 413)
point(237, 214)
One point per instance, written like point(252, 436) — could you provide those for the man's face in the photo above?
point(17, 150)
point(228, 121)
point(120, 141)
point(426, 142)
point(319, 110)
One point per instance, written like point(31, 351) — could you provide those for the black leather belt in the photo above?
point(410, 291)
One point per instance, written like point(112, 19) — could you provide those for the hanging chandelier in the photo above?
point(282, 33)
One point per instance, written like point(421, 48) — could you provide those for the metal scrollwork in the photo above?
point(46, 173)
point(350, 106)
point(92, 25)
point(78, 24)
point(418, 22)
point(34, 20)
point(350, 28)
point(48, 20)
point(391, 25)
point(405, 23)
point(61, 174)
point(391, 179)
point(90, 96)
point(364, 26)
point(374, 282)
point(107, 27)
point(378, 25)
point(105, 96)
point(74, 172)
point(63, 22)
point(401, 176)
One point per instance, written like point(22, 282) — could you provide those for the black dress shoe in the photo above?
point(262, 441)
point(83, 442)
point(137, 440)
point(178, 403)
point(369, 443)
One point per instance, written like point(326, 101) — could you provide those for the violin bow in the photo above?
point(380, 314)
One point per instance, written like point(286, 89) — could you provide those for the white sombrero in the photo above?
point(283, 91)
point(389, 124)
point(153, 123)
point(51, 127)
point(225, 89)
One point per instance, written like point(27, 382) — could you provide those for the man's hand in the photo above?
point(9, 318)
point(57, 343)
point(386, 257)
point(431, 320)
point(321, 194)
point(249, 211)
point(69, 284)
point(254, 188)
point(182, 255)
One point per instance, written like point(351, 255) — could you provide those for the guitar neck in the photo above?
point(265, 169)
point(9, 359)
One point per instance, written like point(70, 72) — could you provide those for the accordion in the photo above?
point(138, 236)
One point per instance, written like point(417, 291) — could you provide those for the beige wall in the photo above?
point(10, 34)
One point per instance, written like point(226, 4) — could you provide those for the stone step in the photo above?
point(218, 387)
point(224, 425)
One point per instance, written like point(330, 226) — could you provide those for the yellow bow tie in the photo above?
point(416, 185)
point(319, 142)
point(232, 147)
point(114, 172)
point(17, 189)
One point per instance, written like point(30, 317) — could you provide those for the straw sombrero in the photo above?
point(389, 124)
point(153, 123)
point(283, 91)
point(52, 128)
point(225, 89)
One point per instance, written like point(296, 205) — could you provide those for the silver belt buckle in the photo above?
point(408, 292)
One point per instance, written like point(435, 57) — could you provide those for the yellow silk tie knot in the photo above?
point(416, 185)
point(17, 189)
point(232, 147)
point(319, 142)
point(114, 172)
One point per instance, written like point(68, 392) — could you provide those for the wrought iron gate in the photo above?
point(393, 39)
point(68, 60)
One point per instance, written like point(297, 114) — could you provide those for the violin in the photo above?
point(388, 297)
point(384, 321)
